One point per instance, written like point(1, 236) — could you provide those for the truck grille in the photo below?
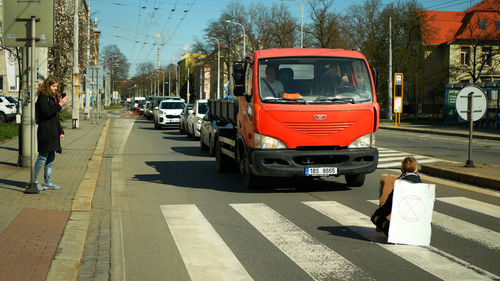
point(316, 128)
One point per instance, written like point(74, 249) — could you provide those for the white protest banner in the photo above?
point(411, 213)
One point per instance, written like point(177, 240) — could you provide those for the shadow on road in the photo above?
point(202, 174)
point(352, 232)
point(190, 151)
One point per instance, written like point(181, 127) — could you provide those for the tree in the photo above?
point(115, 62)
point(324, 31)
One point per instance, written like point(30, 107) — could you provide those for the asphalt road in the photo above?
point(173, 217)
point(451, 148)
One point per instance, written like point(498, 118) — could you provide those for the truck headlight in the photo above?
point(364, 141)
point(266, 142)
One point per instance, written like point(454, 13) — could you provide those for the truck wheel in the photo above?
point(355, 180)
point(250, 180)
point(222, 161)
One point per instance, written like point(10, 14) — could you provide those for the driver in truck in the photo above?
point(270, 87)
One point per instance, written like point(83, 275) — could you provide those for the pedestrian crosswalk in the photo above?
point(389, 158)
point(207, 257)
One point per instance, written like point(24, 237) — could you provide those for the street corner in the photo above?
point(483, 175)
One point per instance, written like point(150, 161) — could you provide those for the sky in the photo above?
point(139, 27)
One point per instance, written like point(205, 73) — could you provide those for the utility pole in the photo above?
point(187, 92)
point(389, 91)
point(87, 91)
point(76, 82)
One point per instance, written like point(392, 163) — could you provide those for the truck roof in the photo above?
point(294, 52)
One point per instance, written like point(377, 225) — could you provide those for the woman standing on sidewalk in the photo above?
point(50, 132)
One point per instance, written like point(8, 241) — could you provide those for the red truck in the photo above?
point(299, 113)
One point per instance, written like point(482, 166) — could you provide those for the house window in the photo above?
point(498, 24)
point(487, 56)
point(465, 55)
point(482, 25)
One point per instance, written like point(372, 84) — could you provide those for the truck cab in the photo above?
point(305, 113)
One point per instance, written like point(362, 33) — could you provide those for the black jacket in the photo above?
point(49, 127)
point(379, 218)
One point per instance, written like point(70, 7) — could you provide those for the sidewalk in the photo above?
point(482, 175)
point(31, 225)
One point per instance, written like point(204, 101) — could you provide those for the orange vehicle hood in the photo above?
point(315, 125)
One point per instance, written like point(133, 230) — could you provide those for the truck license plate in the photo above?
point(321, 171)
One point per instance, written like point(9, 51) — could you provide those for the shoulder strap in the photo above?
point(270, 88)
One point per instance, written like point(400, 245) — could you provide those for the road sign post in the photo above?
point(471, 106)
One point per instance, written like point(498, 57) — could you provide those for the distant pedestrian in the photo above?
point(409, 172)
point(50, 132)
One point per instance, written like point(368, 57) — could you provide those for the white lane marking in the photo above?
point(317, 260)
point(467, 230)
point(203, 251)
point(474, 205)
point(430, 259)
point(398, 164)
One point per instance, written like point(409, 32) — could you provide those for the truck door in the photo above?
point(245, 114)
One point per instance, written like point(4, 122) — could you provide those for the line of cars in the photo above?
point(192, 120)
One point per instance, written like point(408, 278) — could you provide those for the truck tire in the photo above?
point(222, 161)
point(355, 180)
point(250, 180)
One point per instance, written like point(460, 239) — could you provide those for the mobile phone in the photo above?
point(63, 96)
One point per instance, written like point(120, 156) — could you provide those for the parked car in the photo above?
point(7, 110)
point(148, 110)
point(168, 113)
point(184, 117)
point(208, 133)
point(199, 110)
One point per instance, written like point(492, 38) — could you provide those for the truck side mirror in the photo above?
point(239, 79)
point(375, 77)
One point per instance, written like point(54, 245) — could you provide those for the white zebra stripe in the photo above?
point(474, 205)
point(467, 230)
point(317, 260)
point(203, 251)
point(398, 164)
point(430, 259)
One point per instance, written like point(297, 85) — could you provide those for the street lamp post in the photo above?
point(218, 64)
point(150, 84)
point(177, 79)
point(301, 3)
point(163, 83)
point(244, 35)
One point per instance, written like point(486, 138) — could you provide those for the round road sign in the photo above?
point(478, 102)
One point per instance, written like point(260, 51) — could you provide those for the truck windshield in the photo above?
point(202, 108)
point(314, 80)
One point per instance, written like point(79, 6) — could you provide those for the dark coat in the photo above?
point(379, 218)
point(49, 127)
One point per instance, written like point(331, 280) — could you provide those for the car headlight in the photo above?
point(266, 142)
point(363, 142)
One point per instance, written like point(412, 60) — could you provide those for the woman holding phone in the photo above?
point(50, 132)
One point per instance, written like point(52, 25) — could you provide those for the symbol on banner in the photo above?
point(411, 208)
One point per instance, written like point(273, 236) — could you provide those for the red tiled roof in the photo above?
point(440, 27)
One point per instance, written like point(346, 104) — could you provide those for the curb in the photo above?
point(444, 132)
point(66, 263)
point(473, 179)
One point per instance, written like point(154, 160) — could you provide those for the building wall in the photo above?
point(488, 72)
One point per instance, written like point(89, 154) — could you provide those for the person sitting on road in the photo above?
point(381, 217)
point(269, 86)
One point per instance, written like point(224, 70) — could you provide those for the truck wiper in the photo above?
point(336, 99)
point(273, 99)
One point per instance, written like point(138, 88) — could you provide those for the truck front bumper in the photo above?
point(289, 163)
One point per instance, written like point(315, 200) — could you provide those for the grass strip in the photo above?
point(8, 130)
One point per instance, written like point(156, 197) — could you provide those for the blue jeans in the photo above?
point(48, 159)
